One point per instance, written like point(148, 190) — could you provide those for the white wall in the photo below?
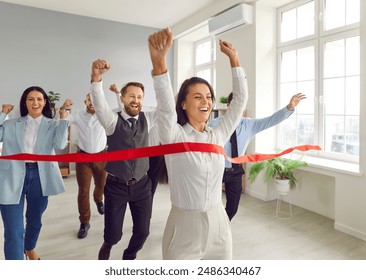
point(55, 51)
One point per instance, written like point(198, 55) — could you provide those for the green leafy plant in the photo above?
point(54, 97)
point(277, 168)
point(223, 99)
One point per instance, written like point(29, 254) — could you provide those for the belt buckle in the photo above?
point(131, 182)
point(229, 169)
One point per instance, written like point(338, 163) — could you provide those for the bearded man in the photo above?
point(127, 181)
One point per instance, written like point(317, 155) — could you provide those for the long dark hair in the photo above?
point(183, 91)
point(182, 118)
point(47, 109)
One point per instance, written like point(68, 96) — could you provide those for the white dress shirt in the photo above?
point(30, 134)
point(108, 118)
point(91, 135)
point(195, 178)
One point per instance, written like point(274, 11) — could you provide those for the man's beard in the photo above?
point(131, 112)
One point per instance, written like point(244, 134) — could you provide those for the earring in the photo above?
point(183, 108)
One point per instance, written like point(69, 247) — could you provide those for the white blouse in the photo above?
point(195, 178)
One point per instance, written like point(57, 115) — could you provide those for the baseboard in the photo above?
point(350, 231)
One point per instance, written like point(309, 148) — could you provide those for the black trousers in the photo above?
point(233, 183)
point(139, 198)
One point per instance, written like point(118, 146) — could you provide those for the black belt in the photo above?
point(83, 152)
point(231, 169)
point(130, 182)
point(31, 164)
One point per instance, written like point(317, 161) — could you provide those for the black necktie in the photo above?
point(234, 149)
point(133, 125)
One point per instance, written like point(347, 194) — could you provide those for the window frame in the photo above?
point(318, 40)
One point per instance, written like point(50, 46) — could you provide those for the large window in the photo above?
point(205, 58)
point(318, 55)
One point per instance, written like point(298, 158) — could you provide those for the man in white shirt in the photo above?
point(92, 139)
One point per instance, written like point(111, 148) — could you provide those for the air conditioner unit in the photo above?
point(233, 17)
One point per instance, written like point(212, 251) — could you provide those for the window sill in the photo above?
point(326, 166)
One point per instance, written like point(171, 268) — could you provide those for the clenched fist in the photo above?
point(99, 67)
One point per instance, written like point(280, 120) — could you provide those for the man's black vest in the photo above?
point(123, 139)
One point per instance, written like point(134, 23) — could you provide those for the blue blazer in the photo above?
point(51, 134)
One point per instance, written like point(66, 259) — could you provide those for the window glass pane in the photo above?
point(334, 134)
point(353, 56)
point(205, 74)
point(334, 57)
point(305, 20)
point(305, 130)
point(287, 90)
point(335, 13)
point(288, 128)
point(334, 96)
point(203, 53)
point(305, 63)
point(352, 141)
point(288, 25)
point(352, 11)
point(353, 96)
point(306, 106)
point(288, 66)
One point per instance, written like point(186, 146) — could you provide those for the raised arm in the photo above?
point(240, 93)
point(105, 115)
point(159, 46)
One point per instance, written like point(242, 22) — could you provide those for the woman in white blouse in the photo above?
point(197, 226)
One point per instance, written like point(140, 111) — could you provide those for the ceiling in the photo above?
point(149, 13)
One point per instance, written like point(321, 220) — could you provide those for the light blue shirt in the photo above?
point(248, 128)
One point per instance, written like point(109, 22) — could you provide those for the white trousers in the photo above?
point(193, 235)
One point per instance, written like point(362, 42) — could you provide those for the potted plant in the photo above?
point(223, 99)
point(53, 97)
point(280, 169)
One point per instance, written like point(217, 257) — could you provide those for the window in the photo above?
point(319, 56)
point(205, 58)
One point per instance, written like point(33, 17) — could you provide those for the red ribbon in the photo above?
point(153, 151)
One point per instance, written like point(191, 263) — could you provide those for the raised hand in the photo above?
point(99, 67)
point(7, 108)
point(159, 44)
point(228, 49)
point(295, 100)
point(67, 104)
point(114, 88)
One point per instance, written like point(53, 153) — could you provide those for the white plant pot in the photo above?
point(282, 186)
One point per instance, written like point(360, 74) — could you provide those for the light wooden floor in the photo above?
point(257, 234)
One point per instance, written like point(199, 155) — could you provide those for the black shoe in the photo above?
point(104, 251)
point(100, 207)
point(83, 231)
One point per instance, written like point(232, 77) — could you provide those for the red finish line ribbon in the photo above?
point(153, 151)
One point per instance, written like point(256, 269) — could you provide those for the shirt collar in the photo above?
point(37, 120)
point(189, 129)
point(126, 116)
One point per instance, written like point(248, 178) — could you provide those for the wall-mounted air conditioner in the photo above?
point(233, 17)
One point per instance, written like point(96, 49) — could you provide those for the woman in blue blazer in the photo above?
point(35, 132)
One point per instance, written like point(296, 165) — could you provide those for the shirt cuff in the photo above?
point(238, 72)
point(97, 86)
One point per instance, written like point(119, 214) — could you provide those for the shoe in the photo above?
point(31, 255)
point(83, 231)
point(104, 251)
point(100, 207)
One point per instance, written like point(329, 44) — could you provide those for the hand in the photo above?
point(114, 88)
point(228, 49)
point(67, 105)
point(7, 108)
point(295, 100)
point(99, 67)
point(159, 45)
